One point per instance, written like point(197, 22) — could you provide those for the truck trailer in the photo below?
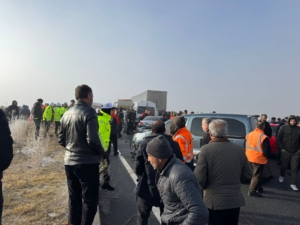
point(157, 97)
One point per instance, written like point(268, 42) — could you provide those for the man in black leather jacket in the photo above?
point(6, 152)
point(79, 136)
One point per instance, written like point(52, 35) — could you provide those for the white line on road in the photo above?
point(155, 210)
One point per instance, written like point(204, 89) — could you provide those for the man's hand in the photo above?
point(282, 150)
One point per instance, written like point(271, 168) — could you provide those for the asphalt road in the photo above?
point(278, 206)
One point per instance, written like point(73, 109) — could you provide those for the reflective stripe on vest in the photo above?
point(254, 147)
point(258, 144)
point(189, 157)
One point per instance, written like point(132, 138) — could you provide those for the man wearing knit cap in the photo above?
point(146, 190)
point(177, 186)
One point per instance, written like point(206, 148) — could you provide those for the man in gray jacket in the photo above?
point(79, 136)
point(220, 168)
point(177, 186)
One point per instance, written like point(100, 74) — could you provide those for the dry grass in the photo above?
point(32, 188)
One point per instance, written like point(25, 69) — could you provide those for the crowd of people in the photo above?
point(208, 193)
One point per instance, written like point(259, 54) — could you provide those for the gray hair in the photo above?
point(206, 120)
point(218, 128)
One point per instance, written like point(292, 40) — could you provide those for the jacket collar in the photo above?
point(223, 139)
point(80, 102)
point(179, 130)
point(259, 130)
point(170, 163)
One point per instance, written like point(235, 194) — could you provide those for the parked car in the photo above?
point(273, 142)
point(146, 123)
point(238, 127)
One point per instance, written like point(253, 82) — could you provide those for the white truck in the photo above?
point(157, 97)
point(123, 103)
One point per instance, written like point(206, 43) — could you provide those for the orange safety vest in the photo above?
point(254, 147)
point(185, 140)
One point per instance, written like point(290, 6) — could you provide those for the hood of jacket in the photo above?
point(290, 118)
point(177, 123)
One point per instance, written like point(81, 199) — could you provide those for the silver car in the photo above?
point(238, 127)
point(146, 123)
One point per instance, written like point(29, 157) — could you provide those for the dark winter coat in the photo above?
point(220, 169)
point(37, 111)
point(289, 137)
point(25, 112)
point(205, 139)
point(6, 148)
point(146, 188)
point(181, 195)
point(12, 111)
point(114, 126)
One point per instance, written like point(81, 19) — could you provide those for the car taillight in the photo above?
point(140, 123)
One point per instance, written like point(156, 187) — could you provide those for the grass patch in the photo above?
point(34, 192)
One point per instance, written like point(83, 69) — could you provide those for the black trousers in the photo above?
point(83, 185)
point(278, 155)
point(293, 158)
point(37, 128)
point(224, 217)
point(120, 129)
point(145, 208)
point(258, 170)
point(129, 128)
point(57, 127)
point(1, 197)
point(114, 142)
point(47, 126)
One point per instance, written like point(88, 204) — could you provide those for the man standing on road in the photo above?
point(104, 121)
point(288, 141)
point(221, 166)
point(184, 138)
point(6, 152)
point(257, 151)
point(268, 129)
point(79, 136)
point(177, 185)
point(37, 114)
point(206, 136)
point(146, 190)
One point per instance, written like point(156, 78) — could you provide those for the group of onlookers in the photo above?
point(209, 192)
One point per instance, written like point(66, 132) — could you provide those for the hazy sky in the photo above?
point(228, 56)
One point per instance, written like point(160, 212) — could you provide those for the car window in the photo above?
point(167, 125)
point(253, 122)
point(142, 109)
point(236, 129)
point(196, 127)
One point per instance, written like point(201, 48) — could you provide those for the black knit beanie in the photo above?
point(159, 147)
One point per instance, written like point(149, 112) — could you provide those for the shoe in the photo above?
point(116, 153)
point(281, 179)
point(254, 194)
point(260, 190)
point(106, 186)
point(294, 187)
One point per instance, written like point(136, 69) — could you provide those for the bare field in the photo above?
point(34, 186)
